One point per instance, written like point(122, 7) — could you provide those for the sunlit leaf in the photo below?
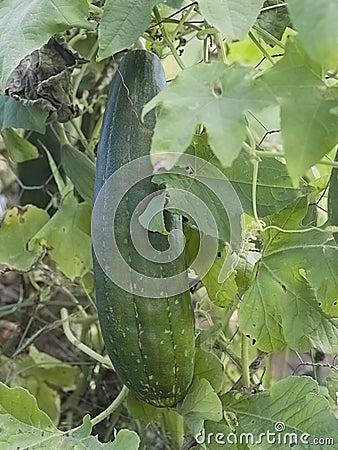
point(287, 302)
point(233, 18)
point(278, 412)
point(315, 21)
point(309, 130)
point(122, 23)
point(213, 95)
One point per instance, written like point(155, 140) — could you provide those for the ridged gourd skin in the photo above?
point(150, 341)
point(333, 199)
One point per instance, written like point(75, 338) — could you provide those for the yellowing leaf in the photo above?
point(66, 241)
point(18, 226)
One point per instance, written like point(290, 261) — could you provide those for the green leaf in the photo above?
point(19, 149)
point(80, 170)
point(152, 218)
point(315, 21)
point(24, 425)
point(122, 23)
point(275, 190)
point(22, 406)
point(18, 226)
point(332, 199)
point(232, 17)
point(215, 96)
point(47, 368)
point(141, 410)
point(221, 292)
point(272, 411)
point(209, 367)
point(17, 115)
point(295, 280)
point(48, 399)
point(309, 130)
point(28, 24)
point(332, 384)
point(66, 240)
point(125, 440)
point(200, 403)
point(182, 187)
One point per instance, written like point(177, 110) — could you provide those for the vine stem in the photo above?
point(245, 361)
point(167, 39)
point(255, 163)
point(266, 154)
point(303, 230)
point(185, 18)
point(269, 36)
point(80, 345)
point(112, 407)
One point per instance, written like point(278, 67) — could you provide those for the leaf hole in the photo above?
point(217, 90)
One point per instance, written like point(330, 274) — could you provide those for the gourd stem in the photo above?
point(255, 163)
point(80, 345)
point(112, 407)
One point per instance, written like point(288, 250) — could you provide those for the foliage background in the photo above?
point(252, 88)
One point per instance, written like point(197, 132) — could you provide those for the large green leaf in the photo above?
point(275, 190)
point(18, 226)
point(316, 23)
point(28, 24)
point(278, 412)
point(309, 129)
point(213, 95)
point(17, 115)
point(201, 403)
point(290, 299)
point(232, 17)
point(122, 23)
point(24, 425)
point(209, 367)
